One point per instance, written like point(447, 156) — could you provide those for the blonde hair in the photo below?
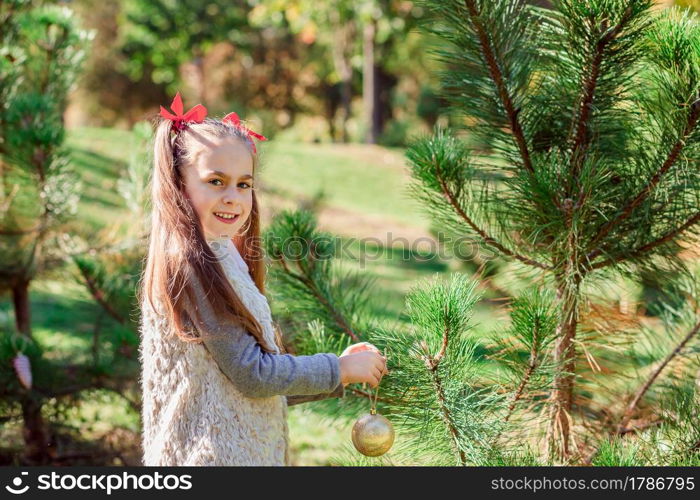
point(178, 251)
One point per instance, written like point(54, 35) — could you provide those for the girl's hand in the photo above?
point(359, 347)
point(365, 366)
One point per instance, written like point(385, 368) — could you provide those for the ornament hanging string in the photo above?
point(372, 398)
point(373, 402)
point(373, 434)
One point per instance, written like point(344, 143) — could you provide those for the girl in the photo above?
point(214, 379)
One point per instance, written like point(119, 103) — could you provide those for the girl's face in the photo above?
point(219, 184)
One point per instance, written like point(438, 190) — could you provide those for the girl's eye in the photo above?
point(216, 180)
point(244, 185)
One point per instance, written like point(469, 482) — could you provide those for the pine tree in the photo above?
point(585, 151)
point(41, 49)
point(578, 164)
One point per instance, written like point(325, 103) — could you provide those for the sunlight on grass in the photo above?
point(364, 184)
point(315, 438)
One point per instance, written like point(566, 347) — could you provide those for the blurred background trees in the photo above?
point(334, 71)
point(360, 65)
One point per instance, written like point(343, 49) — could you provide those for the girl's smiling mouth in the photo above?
point(226, 218)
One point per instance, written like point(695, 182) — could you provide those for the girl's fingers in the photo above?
point(359, 347)
point(382, 363)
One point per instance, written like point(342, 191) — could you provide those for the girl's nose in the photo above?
point(230, 197)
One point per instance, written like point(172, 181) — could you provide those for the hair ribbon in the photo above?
point(234, 120)
point(180, 119)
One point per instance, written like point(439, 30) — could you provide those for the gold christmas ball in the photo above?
point(372, 435)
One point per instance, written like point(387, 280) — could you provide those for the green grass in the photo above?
point(369, 180)
point(99, 157)
point(365, 179)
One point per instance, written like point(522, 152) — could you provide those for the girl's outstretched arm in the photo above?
point(339, 392)
point(260, 374)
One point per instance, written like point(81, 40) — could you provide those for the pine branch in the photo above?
point(435, 361)
point(497, 76)
point(670, 235)
point(487, 239)
point(311, 286)
point(673, 155)
point(531, 367)
point(533, 320)
point(631, 430)
point(98, 295)
point(367, 395)
point(432, 365)
point(581, 143)
point(652, 378)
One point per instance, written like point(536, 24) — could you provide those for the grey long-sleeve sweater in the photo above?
point(258, 374)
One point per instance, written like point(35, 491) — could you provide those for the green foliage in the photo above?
point(311, 287)
point(109, 266)
point(436, 393)
point(159, 36)
point(577, 159)
point(40, 193)
point(133, 186)
point(586, 118)
point(323, 23)
point(675, 441)
point(39, 190)
point(590, 115)
point(512, 32)
point(690, 4)
point(524, 349)
point(434, 371)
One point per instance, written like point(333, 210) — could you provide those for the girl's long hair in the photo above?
point(178, 252)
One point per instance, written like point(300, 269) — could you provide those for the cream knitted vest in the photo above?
point(192, 413)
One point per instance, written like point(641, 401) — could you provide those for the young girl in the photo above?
point(214, 379)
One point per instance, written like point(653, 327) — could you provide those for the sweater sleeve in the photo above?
point(339, 392)
point(257, 373)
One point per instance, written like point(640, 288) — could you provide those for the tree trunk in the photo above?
point(369, 91)
point(332, 101)
point(564, 357)
point(341, 58)
point(34, 432)
point(36, 438)
point(384, 83)
point(346, 107)
point(200, 78)
point(20, 297)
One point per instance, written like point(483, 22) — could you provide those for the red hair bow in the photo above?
point(196, 114)
point(234, 120)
